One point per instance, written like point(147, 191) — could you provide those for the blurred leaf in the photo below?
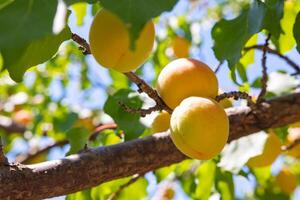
point(78, 138)
point(236, 154)
point(286, 39)
point(103, 191)
point(80, 12)
point(82, 195)
point(242, 72)
point(205, 175)
point(18, 60)
point(251, 21)
point(262, 174)
point(70, 2)
point(136, 13)
point(164, 172)
point(128, 122)
point(248, 58)
point(135, 191)
point(64, 122)
point(4, 3)
point(224, 184)
point(296, 31)
point(119, 80)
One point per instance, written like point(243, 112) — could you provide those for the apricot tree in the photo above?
point(108, 99)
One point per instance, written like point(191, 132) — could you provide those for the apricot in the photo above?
point(270, 152)
point(23, 117)
point(110, 42)
point(161, 122)
point(286, 181)
point(186, 77)
point(293, 135)
point(199, 127)
point(181, 47)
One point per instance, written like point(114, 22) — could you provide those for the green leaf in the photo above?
point(25, 20)
point(230, 36)
point(128, 122)
point(82, 195)
point(135, 191)
point(119, 80)
point(236, 154)
point(70, 2)
point(4, 3)
point(18, 60)
point(242, 72)
point(224, 184)
point(205, 175)
point(296, 31)
point(78, 138)
point(248, 58)
point(164, 172)
point(286, 39)
point(80, 10)
point(136, 13)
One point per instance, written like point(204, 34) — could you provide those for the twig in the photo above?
point(236, 95)
point(84, 46)
point(144, 87)
point(291, 146)
point(275, 52)
point(101, 128)
point(3, 159)
point(142, 112)
point(218, 67)
point(114, 195)
point(264, 78)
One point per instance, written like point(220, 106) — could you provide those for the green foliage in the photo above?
point(128, 122)
point(251, 21)
point(224, 184)
point(78, 138)
point(297, 31)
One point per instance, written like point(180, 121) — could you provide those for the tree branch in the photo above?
point(295, 66)
point(95, 166)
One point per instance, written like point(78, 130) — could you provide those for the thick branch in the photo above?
point(95, 166)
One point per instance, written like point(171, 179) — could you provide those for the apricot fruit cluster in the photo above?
point(199, 125)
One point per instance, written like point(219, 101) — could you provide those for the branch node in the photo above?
point(84, 46)
point(236, 95)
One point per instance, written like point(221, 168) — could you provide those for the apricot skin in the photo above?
point(181, 47)
point(161, 122)
point(286, 180)
point(199, 127)
point(270, 152)
point(110, 43)
point(186, 77)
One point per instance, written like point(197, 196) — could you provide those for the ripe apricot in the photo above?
point(293, 135)
point(186, 77)
point(161, 122)
point(23, 117)
point(181, 47)
point(110, 42)
point(286, 180)
point(270, 152)
point(199, 127)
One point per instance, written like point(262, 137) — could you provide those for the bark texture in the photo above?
point(95, 166)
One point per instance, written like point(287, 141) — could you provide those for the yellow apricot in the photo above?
point(199, 127)
point(161, 122)
point(23, 117)
point(181, 47)
point(186, 77)
point(270, 152)
point(293, 135)
point(286, 180)
point(110, 42)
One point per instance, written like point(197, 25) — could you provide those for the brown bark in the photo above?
point(93, 167)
